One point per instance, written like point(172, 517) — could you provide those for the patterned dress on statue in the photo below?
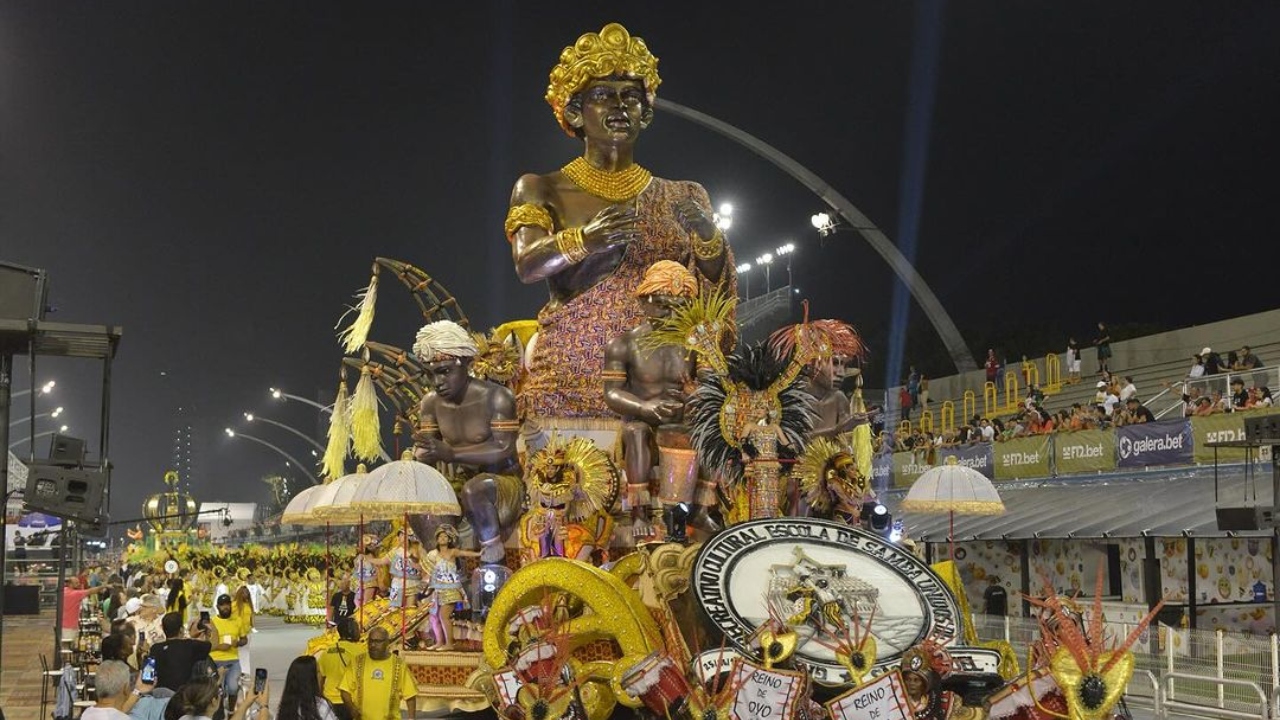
point(564, 376)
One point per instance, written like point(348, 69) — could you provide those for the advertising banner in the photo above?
point(882, 472)
point(1224, 427)
point(977, 457)
point(907, 467)
point(1084, 451)
point(1023, 457)
point(1167, 442)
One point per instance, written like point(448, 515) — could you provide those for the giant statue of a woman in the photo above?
point(592, 228)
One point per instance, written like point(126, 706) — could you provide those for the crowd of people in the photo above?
point(155, 664)
point(1212, 385)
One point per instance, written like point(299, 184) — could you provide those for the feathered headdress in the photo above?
point(495, 360)
point(755, 385)
point(573, 473)
point(811, 470)
point(809, 342)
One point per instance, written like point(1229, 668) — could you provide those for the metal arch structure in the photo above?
point(920, 290)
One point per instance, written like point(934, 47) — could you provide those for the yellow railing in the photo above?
point(947, 416)
point(990, 399)
point(969, 405)
point(1011, 397)
point(904, 428)
point(1031, 372)
point(1052, 374)
point(926, 421)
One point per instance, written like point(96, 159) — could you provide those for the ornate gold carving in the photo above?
point(569, 243)
point(616, 186)
point(527, 214)
point(709, 249)
point(612, 51)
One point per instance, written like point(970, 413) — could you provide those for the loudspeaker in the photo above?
point(1266, 427)
point(69, 493)
point(66, 451)
point(23, 292)
point(1245, 518)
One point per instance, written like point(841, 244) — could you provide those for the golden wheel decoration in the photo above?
point(602, 606)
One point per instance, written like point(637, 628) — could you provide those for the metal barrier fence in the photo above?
point(1216, 671)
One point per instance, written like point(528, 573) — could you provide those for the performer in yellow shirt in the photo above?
point(227, 638)
point(335, 662)
point(374, 686)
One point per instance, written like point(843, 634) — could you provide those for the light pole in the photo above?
point(252, 418)
point(53, 414)
point(942, 322)
point(233, 434)
point(279, 394)
point(766, 260)
point(744, 271)
point(37, 436)
point(45, 389)
point(786, 251)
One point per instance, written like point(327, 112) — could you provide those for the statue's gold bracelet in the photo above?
point(709, 249)
point(569, 243)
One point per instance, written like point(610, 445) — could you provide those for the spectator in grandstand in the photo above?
point(1112, 399)
point(1100, 395)
point(1201, 407)
point(1001, 430)
point(1221, 403)
point(913, 385)
point(1264, 397)
point(1212, 361)
point(1103, 341)
point(992, 366)
point(1119, 416)
point(904, 399)
point(988, 431)
point(922, 393)
point(1101, 418)
point(1129, 390)
point(1073, 361)
point(1197, 367)
point(1239, 396)
point(1138, 413)
point(1249, 361)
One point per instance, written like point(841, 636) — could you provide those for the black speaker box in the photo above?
point(66, 450)
point(69, 493)
point(23, 292)
point(1245, 518)
point(1266, 427)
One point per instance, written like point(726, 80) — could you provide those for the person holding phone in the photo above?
point(228, 638)
point(176, 656)
point(301, 698)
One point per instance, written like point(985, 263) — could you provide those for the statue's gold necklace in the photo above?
point(613, 186)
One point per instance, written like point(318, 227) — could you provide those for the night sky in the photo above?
point(217, 177)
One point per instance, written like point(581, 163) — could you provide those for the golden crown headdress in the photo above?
point(574, 473)
point(812, 469)
point(612, 51)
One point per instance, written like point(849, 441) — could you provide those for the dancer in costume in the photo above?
point(648, 387)
point(365, 571)
point(446, 585)
point(592, 228)
point(406, 569)
point(831, 485)
point(571, 486)
point(470, 423)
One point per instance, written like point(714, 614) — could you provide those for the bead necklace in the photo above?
point(613, 186)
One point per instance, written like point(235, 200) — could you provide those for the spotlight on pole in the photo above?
point(724, 217)
point(229, 432)
point(744, 267)
point(823, 223)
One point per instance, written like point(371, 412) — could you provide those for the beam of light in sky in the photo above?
point(921, 92)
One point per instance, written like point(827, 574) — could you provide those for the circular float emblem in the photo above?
point(829, 582)
point(171, 566)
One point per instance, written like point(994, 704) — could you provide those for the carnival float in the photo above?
point(620, 508)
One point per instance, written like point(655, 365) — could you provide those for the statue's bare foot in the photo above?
point(703, 521)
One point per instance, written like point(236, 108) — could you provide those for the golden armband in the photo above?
point(505, 425)
point(527, 214)
point(569, 243)
point(709, 249)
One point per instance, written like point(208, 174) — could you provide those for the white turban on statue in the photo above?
point(444, 338)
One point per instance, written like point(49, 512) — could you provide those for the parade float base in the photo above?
point(448, 681)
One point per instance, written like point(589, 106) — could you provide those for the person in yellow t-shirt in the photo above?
point(374, 686)
point(335, 662)
point(227, 637)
